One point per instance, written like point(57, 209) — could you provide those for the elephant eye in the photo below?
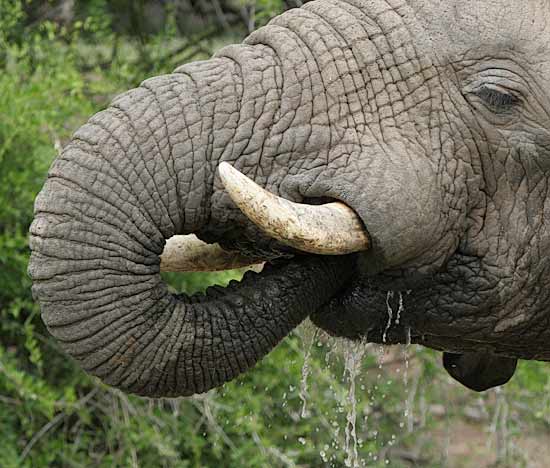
point(498, 101)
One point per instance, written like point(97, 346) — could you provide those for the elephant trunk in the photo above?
point(135, 175)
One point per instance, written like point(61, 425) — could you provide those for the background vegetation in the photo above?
point(313, 402)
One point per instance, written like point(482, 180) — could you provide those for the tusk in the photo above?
point(331, 229)
point(189, 253)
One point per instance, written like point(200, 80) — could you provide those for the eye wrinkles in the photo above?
point(497, 100)
point(497, 88)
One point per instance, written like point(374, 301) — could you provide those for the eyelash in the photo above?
point(497, 101)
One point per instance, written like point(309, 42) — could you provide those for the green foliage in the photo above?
point(199, 282)
point(267, 9)
point(54, 75)
point(11, 14)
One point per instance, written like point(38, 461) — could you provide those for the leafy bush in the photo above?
point(53, 77)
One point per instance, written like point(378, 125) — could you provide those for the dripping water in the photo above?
point(409, 393)
point(353, 357)
point(398, 314)
point(389, 296)
point(309, 338)
point(399, 310)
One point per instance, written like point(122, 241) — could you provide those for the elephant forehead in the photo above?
point(458, 26)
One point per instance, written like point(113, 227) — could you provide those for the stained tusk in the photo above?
point(330, 229)
point(189, 253)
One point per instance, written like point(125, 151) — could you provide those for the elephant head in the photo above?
point(428, 119)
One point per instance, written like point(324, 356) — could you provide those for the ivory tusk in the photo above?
point(330, 229)
point(189, 253)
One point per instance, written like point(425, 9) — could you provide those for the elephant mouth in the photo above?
point(363, 309)
point(332, 229)
point(372, 303)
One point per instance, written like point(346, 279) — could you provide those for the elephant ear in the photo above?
point(479, 371)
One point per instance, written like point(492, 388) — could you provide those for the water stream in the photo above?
point(353, 355)
point(409, 395)
point(309, 338)
point(398, 313)
point(353, 358)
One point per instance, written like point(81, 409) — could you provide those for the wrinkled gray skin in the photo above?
point(428, 117)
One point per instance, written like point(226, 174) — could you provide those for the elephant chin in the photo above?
point(479, 371)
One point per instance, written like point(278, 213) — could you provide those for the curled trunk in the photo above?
point(137, 174)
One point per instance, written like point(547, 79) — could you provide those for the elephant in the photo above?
point(388, 160)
